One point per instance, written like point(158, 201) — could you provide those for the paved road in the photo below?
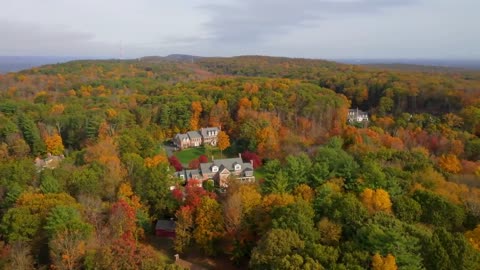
point(169, 149)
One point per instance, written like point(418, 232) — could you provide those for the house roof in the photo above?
point(187, 174)
point(228, 163)
point(356, 112)
point(205, 131)
point(194, 134)
point(166, 225)
point(181, 136)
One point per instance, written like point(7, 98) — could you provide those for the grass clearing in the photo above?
point(187, 155)
point(259, 173)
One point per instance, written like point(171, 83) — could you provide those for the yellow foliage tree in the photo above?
point(105, 153)
point(57, 109)
point(473, 237)
point(54, 144)
point(386, 263)
point(125, 191)
point(209, 224)
point(376, 200)
point(273, 200)
point(450, 163)
point(223, 141)
point(250, 197)
point(330, 232)
point(111, 113)
point(304, 192)
point(155, 161)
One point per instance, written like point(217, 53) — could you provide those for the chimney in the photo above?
point(177, 257)
point(251, 162)
point(239, 155)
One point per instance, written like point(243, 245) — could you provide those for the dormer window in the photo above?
point(215, 169)
point(238, 167)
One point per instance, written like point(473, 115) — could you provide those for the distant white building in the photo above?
point(357, 116)
point(50, 162)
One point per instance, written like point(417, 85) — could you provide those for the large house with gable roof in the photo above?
point(203, 136)
point(357, 116)
point(220, 170)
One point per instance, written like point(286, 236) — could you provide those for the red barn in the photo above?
point(165, 228)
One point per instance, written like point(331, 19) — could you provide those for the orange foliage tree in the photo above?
point(223, 141)
point(268, 142)
point(196, 110)
point(54, 144)
point(450, 163)
point(155, 161)
point(385, 263)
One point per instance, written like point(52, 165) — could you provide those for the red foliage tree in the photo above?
point(122, 220)
point(174, 162)
point(194, 192)
point(194, 164)
point(177, 194)
point(248, 156)
point(203, 159)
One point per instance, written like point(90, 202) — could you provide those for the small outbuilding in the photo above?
point(165, 228)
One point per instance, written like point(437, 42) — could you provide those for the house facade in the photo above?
point(204, 136)
point(220, 171)
point(357, 116)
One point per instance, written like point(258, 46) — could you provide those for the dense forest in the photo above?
point(401, 191)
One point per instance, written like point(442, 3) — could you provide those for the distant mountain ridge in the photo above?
point(17, 63)
point(171, 57)
point(416, 64)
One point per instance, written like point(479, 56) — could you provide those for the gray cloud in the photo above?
point(21, 38)
point(249, 21)
point(297, 28)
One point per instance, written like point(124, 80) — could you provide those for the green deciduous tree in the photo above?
point(445, 250)
point(438, 211)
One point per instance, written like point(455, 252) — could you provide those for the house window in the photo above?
point(238, 167)
point(215, 169)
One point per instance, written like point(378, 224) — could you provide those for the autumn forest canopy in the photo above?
point(87, 165)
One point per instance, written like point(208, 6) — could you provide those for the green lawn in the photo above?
point(259, 173)
point(187, 155)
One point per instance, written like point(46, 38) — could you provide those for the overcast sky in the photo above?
point(297, 28)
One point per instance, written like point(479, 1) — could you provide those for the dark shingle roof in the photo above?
point(181, 136)
point(207, 130)
point(228, 163)
point(194, 134)
point(164, 224)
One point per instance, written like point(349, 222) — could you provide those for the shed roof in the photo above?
point(166, 225)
